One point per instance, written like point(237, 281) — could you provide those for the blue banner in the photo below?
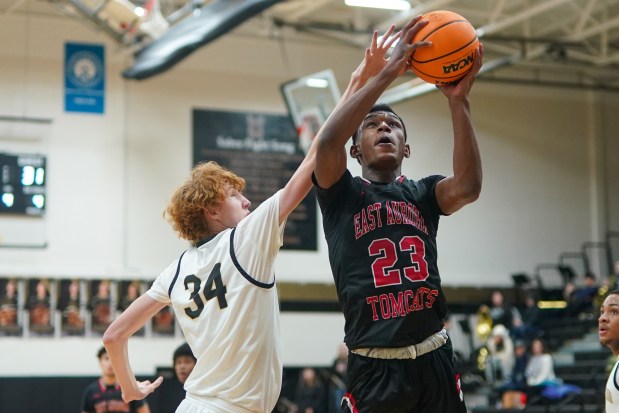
point(84, 78)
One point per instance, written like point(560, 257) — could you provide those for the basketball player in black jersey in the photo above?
point(381, 234)
point(104, 395)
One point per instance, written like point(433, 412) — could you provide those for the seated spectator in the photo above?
point(540, 370)
point(512, 391)
point(500, 360)
point(338, 376)
point(310, 396)
point(503, 313)
point(528, 328)
point(580, 299)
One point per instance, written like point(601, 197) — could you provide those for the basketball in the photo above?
point(451, 54)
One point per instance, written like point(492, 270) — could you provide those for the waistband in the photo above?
point(210, 404)
point(431, 343)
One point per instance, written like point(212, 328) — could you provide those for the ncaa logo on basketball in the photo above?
point(459, 65)
point(451, 52)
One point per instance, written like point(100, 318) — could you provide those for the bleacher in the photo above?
point(579, 359)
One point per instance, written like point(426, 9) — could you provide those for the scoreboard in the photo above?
point(22, 180)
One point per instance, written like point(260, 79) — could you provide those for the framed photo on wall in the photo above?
point(41, 320)
point(10, 322)
point(71, 307)
point(100, 305)
point(263, 149)
point(128, 292)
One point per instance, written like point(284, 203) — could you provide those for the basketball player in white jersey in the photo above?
point(608, 328)
point(222, 290)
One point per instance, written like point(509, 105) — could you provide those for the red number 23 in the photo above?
point(386, 255)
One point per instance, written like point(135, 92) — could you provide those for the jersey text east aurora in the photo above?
point(369, 218)
point(382, 250)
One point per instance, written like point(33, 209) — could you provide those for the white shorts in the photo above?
point(213, 405)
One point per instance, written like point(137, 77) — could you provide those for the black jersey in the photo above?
point(382, 250)
point(101, 398)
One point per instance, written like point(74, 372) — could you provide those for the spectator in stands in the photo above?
point(338, 376)
point(310, 396)
point(540, 369)
point(503, 313)
point(500, 360)
point(104, 395)
point(171, 392)
point(580, 299)
point(529, 328)
point(512, 391)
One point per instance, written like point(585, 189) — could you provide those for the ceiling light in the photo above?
point(316, 82)
point(380, 4)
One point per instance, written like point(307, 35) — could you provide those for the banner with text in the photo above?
point(264, 150)
point(84, 78)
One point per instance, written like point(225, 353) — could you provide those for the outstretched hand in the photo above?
point(144, 388)
point(401, 55)
point(375, 55)
point(464, 85)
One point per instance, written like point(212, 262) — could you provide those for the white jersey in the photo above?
point(224, 298)
point(612, 391)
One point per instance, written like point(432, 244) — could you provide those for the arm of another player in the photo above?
point(300, 184)
point(116, 340)
point(346, 118)
point(464, 186)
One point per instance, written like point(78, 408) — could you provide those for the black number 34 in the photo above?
point(213, 287)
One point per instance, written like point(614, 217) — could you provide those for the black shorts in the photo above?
point(427, 384)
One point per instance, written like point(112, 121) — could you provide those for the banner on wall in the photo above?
point(84, 78)
point(264, 150)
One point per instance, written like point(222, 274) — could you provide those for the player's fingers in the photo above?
point(479, 58)
point(411, 23)
point(415, 46)
point(477, 62)
point(409, 31)
point(158, 382)
point(152, 386)
point(424, 43)
point(391, 40)
point(387, 36)
point(374, 40)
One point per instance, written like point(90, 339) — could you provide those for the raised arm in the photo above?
point(116, 340)
point(346, 118)
point(464, 186)
point(300, 184)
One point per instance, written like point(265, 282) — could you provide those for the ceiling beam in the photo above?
point(417, 87)
point(13, 6)
point(584, 16)
point(406, 15)
point(308, 7)
point(525, 15)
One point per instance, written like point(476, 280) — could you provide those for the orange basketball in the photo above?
point(450, 57)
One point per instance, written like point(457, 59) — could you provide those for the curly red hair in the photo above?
point(205, 188)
